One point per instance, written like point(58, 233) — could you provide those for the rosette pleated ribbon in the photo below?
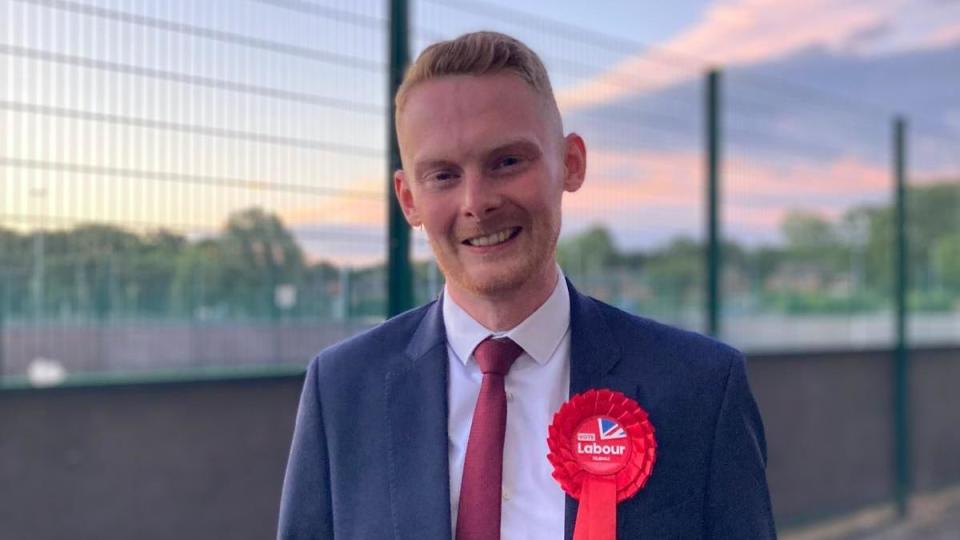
point(602, 449)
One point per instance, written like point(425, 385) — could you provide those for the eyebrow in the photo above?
point(423, 166)
point(523, 145)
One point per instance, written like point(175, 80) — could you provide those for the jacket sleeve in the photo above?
point(737, 497)
point(305, 505)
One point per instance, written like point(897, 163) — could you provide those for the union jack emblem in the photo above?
point(610, 430)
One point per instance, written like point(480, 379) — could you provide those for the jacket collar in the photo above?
point(416, 413)
point(416, 402)
point(593, 350)
point(593, 355)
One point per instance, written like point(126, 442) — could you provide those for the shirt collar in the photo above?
point(539, 334)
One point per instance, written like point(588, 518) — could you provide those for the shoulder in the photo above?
point(672, 348)
point(652, 332)
point(372, 347)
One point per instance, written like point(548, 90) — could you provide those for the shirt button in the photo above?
point(506, 494)
point(509, 396)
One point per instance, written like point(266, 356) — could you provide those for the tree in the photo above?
point(198, 285)
point(806, 230)
point(14, 272)
point(258, 253)
point(676, 274)
point(154, 265)
point(946, 261)
point(588, 253)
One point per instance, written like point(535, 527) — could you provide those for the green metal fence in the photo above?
point(209, 172)
point(196, 184)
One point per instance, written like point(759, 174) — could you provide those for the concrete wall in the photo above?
point(935, 418)
point(194, 460)
point(205, 459)
point(829, 431)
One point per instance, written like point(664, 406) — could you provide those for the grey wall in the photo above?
point(205, 459)
point(829, 431)
point(935, 419)
point(195, 460)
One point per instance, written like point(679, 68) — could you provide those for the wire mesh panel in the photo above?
point(633, 235)
point(188, 183)
point(807, 218)
point(933, 232)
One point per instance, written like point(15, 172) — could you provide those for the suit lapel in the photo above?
point(416, 400)
point(593, 351)
point(593, 354)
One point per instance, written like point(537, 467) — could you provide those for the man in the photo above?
point(400, 432)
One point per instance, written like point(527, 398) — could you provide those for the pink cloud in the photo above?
point(944, 37)
point(846, 175)
point(342, 210)
point(744, 32)
point(656, 190)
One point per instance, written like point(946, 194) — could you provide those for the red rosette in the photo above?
point(568, 469)
point(602, 450)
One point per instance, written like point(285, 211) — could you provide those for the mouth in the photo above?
point(494, 239)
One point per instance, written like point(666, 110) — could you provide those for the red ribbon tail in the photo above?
point(597, 516)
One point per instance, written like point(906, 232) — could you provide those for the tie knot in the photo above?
point(496, 355)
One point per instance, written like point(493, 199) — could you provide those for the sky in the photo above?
point(215, 106)
point(645, 22)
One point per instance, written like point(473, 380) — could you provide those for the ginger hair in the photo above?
point(478, 53)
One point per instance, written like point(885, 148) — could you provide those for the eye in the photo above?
point(507, 162)
point(442, 176)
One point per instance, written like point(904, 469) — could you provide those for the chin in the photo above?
point(494, 285)
point(506, 279)
point(495, 278)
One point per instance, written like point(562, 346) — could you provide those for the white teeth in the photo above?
point(493, 239)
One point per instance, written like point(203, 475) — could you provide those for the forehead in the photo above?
point(464, 113)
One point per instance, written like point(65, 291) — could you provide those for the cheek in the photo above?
point(438, 216)
point(544, 200)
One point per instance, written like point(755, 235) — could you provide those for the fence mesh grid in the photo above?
point(192, 184)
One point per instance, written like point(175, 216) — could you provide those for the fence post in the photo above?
point(3, 331)
point(901, 354)
point(399, 272)
point(713, 252)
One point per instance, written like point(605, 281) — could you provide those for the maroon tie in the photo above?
point(478, 517)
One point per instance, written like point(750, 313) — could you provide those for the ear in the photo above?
point(401, 186)
point(574, 162)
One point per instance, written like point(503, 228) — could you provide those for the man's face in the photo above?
point(485, 165)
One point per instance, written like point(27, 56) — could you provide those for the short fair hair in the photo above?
point(478, 53)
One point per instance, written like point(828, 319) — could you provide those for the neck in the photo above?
point(502, 311)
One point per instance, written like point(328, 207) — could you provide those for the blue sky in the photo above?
point(810, 89)
point(641, 21)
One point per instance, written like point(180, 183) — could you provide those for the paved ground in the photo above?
point(934, 516)
point(929, 520)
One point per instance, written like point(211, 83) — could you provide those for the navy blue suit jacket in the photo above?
point(369, 453)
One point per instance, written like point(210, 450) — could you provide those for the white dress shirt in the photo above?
point(537, 384)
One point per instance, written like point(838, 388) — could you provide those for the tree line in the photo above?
point(255, 268)
point(821, 266)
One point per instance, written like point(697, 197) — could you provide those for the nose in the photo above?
point(480, 196)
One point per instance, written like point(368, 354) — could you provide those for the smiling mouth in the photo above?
point(493, 239)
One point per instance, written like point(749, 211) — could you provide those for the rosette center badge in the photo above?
point(601, 445)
